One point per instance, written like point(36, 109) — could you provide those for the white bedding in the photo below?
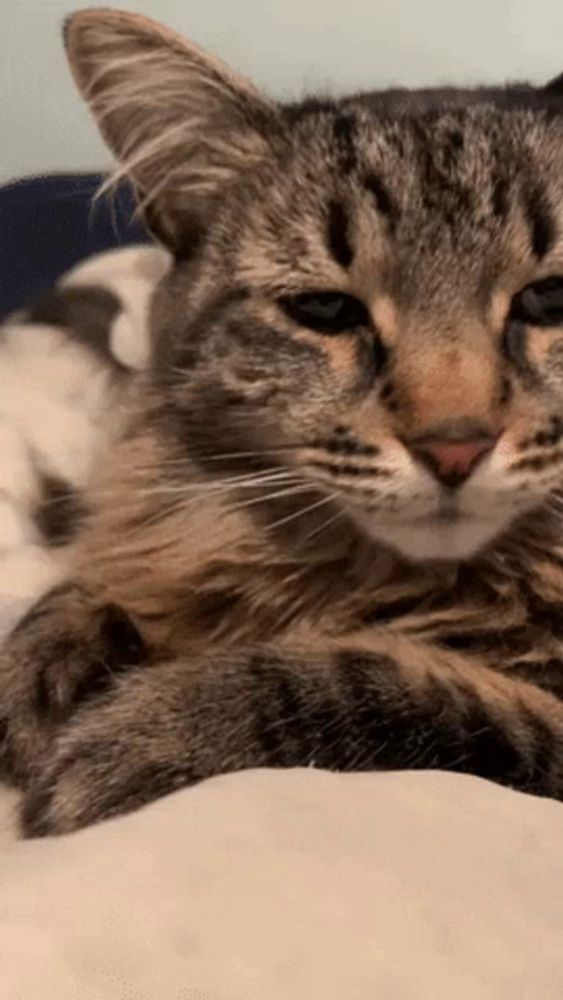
point(294, 886)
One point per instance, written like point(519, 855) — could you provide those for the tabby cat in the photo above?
point(329, 534)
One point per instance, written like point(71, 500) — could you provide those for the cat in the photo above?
point(329, 531)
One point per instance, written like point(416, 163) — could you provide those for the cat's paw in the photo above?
point(70, 791)
point(93, 776)
point(66, 650)
point(137, 742)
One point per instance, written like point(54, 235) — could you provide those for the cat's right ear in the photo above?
point(181, 125)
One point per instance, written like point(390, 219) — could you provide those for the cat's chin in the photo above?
point(435, 539)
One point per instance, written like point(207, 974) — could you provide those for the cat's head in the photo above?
point(366, 291)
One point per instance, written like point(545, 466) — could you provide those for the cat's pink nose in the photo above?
point(452, 462)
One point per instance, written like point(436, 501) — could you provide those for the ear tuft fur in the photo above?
point(180, 123)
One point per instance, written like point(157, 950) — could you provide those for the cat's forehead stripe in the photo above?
point(540, 220)
point(384, 202)
point(345, 137)
point(500, 196)
point(338, 234)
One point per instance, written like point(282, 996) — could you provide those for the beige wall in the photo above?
point(286, 45)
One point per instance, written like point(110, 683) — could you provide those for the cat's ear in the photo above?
point(555, 86)
point(181, 125)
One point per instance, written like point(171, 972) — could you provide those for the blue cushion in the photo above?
point(49, 224)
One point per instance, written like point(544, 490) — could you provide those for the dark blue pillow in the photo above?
point(49, 224)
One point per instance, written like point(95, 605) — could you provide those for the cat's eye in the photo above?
point(539, 304)
point(326, 312)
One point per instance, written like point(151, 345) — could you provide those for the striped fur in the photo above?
point(270, 574)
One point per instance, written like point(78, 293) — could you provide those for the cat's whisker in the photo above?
point(248, 481)
point(182, 503)
point(326, 524)
point(555, 507)
point(291, 491)
point(207, 486)
point(211, 456)
point(304, 510)
point(181, 464)
point(249, 454)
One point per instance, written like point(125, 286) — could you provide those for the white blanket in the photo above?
point(294, 886)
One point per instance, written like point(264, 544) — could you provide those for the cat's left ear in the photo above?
point(181, 124)
point(555, 86)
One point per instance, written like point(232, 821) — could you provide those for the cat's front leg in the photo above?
point(172, 724)
point(67, 649)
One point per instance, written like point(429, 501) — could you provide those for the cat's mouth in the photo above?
point(447, 512)
point(446, 534)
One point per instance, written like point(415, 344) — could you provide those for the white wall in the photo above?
point(286, 45)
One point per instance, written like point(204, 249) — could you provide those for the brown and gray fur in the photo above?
point(271, 572)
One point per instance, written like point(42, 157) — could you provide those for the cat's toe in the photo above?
point(63, 799)
point(36, 819)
